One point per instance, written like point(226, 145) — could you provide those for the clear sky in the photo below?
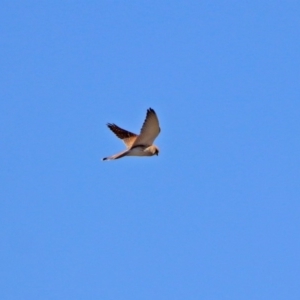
point(215, 215)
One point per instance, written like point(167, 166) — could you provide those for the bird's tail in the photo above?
point(116, 156)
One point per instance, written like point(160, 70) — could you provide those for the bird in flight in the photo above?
point(138, 145)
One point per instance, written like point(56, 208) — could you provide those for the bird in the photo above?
point(138, 145)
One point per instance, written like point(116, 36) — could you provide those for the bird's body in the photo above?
point(138, 145)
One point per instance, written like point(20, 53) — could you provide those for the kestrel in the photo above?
point(138, 145)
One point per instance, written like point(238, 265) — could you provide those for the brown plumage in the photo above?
point(126, 136)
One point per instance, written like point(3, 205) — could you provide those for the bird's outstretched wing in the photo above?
point(149, 131)
point(126, 136)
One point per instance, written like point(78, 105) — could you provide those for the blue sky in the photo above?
point(215, 215)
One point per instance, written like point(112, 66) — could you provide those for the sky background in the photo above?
point(215, 215)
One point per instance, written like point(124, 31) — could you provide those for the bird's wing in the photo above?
point(126, 136)
point(149, 131)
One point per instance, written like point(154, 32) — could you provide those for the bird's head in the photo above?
point(152, 150)
point(155, 150)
